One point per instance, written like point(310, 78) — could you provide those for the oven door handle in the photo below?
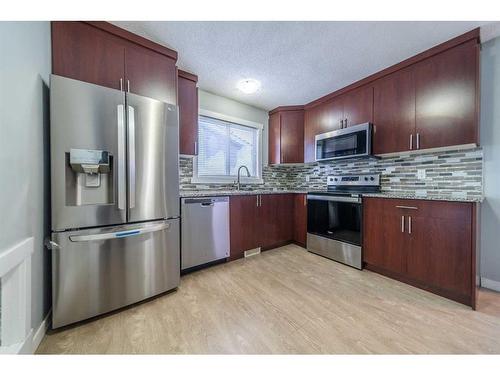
point(334, 198)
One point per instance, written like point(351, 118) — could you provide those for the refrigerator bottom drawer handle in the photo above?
point(126, 234)
point(121, 234)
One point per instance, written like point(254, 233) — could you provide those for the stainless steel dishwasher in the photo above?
point(205, 230)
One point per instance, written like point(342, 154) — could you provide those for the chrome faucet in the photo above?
point(239, 170)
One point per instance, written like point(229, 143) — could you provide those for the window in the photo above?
point(224, 145)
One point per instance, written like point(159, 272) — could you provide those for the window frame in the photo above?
point(196, 179)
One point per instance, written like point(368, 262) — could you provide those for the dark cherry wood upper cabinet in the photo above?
point(244, 224)
point(274, 141)
point(358, 106)
point(187, 93)
point(311, 128)
point(82, 52)
point(446, 97)
point(394, 112)
point(286, 135)
point(300, 219)
point(106, 55)
point(292, 136)
point(149, 73)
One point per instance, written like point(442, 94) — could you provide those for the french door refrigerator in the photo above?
point(115, 199)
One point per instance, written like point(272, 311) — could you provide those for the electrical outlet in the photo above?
point(421, 174)
point(307, 178)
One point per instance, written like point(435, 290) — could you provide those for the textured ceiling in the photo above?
point(296, 62)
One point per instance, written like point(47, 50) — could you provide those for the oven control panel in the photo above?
point(354, 180)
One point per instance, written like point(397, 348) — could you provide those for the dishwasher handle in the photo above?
point(205, 201)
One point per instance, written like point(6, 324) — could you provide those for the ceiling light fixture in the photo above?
point(248, 86)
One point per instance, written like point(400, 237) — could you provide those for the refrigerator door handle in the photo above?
point(131, 155)
point(119, 234)
point(122, 198)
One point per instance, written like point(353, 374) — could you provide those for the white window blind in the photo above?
point(224, 146)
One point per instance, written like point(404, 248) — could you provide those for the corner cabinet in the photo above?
point(188, 113)
point(106, 55)
point(286, 135)
point(428, 244)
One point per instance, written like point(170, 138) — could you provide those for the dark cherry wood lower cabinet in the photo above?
point(428, 244)
point(265, 221)
point(300, 219)
point(243, 218)
point(276, 220)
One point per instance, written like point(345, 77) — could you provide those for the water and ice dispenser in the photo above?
point(89, 177)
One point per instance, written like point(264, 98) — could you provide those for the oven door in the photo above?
point(354, 141)
point(334, 228)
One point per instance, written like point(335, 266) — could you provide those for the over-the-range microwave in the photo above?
point(351, 142)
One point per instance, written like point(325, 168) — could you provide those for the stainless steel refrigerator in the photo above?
point(115, 199)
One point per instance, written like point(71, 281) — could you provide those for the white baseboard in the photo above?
point(490, 284)
point(32, 341)
point(40, 333)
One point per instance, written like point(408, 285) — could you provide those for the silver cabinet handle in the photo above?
point(122, 197)
point(121, 84)
point(119, 234)
point(305, 200)
point(408, 207)
point(131, 156)
point(260, 200)
point(257, 200)
point(411, 141)
point(409, 224)
point(345, 123)
point(341, 124)
point(402, 224)
point(418, 141)
point(196, 148)
point(128, 85)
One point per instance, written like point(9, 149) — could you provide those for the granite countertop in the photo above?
point(477, 199)
point(394, 195)
point(215, 193)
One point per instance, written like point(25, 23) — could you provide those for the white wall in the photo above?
point(490, 141)
point(229, 107)
point(24, 148)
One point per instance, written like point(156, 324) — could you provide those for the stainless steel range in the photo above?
point(335, 217)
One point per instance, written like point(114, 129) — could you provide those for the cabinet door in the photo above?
point(383, 234)
point(440, 253)
point(446, 97)
point(82, 52)
point(300, 219)
point(150, 74)
point(188, 116)
point(276, 224)
point(274, 138)
point(292, 136)
point(394, 113)
point(358, 106)
point(244, 224)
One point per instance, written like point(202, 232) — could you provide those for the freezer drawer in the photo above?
point(205, 230)
point(99, 270)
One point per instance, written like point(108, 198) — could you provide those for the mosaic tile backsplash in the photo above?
point(453, 174)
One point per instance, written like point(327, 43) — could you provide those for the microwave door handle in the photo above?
point(121, 158)
point(131, 156)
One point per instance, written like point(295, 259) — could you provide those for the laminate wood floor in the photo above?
point(288, 301)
